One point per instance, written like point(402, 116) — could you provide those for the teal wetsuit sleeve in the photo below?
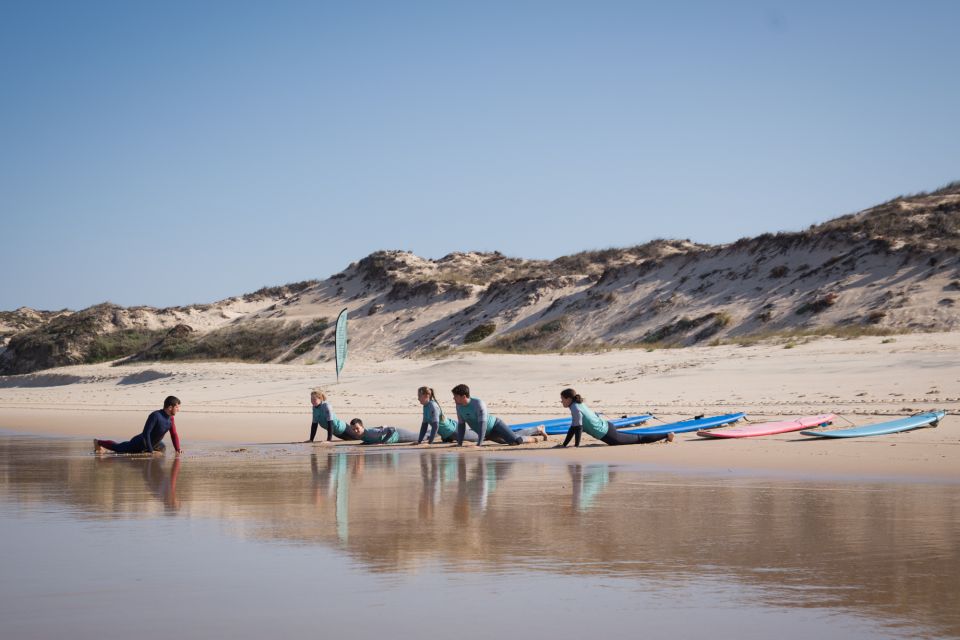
point(431, 418)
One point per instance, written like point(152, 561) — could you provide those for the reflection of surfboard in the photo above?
point(563, 427)
point(929, 419)
point(770, 428)
point(687, 426)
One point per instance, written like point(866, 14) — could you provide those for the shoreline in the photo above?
point(864, 380)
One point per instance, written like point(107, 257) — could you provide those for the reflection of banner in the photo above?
point(341, 341)
point(339, 464)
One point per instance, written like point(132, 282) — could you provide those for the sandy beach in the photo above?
point(864, 380)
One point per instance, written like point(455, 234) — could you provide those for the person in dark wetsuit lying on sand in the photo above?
point(149, 441)
point(472, 412)
point(583, 419)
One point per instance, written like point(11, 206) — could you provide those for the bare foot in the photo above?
point(670, 437)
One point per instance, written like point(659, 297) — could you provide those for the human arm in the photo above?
point(174, 437)
point(432, 418)
point(481, 407)
point(574, 431)
point(576, 425)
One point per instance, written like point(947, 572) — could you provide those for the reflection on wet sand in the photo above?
point(886, 551)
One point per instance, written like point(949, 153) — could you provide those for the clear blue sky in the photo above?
point(170, 152)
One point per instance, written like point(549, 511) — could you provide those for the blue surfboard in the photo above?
point(560, 426)
point(687, 426)
point(929, 419)
point(553, 422)
point(561, 429)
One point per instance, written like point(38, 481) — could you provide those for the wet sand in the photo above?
point(413, 543)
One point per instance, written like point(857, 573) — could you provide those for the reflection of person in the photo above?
point(583, 419)
point(163, 486)
point(437, 422)
point(379, 435)
point(472, 412)
point(149, 441)
point(478, 489)
point(587, 484)
point(324, 417)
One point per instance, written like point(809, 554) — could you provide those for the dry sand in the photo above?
point(864, 380)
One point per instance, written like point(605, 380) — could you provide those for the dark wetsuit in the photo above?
point(157, 425)
point(583, 419)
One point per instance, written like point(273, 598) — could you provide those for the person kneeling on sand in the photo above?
point(149, 441)
point(324, 417)
point(472, 412)
point(380, 435)
point(583, 419)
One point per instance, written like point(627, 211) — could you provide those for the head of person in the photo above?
point(356, 427)
point(317, 396)
point(425, 395)
point(171, 405)
point(569, 397)
point(461, 394)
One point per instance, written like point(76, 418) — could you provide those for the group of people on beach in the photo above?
point(474, 423)
point(471, 414)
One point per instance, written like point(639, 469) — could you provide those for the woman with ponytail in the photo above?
point(437, 422)
point(583, 419)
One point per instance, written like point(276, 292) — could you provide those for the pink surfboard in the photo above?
point(769, 428)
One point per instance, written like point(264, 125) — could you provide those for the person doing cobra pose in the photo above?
point(434, 420)
point(583, 419)
point(472, 412)
point(324, 417)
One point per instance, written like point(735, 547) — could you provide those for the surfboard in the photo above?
point(552, 422)
point(562, 428)
point(770, 428)
point(686, 426)
point(928, 419)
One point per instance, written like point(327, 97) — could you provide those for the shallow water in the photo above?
point(277, 541)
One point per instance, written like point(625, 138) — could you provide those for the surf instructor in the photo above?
point(150, 439)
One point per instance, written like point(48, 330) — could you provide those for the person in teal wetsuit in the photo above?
point(583, 419)
point(446, 428)
point(324, 417)
point(434, 420)
point(473, 412)
point(379, 435)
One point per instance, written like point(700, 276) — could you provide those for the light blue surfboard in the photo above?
point(687, 426)
point(929, 419)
